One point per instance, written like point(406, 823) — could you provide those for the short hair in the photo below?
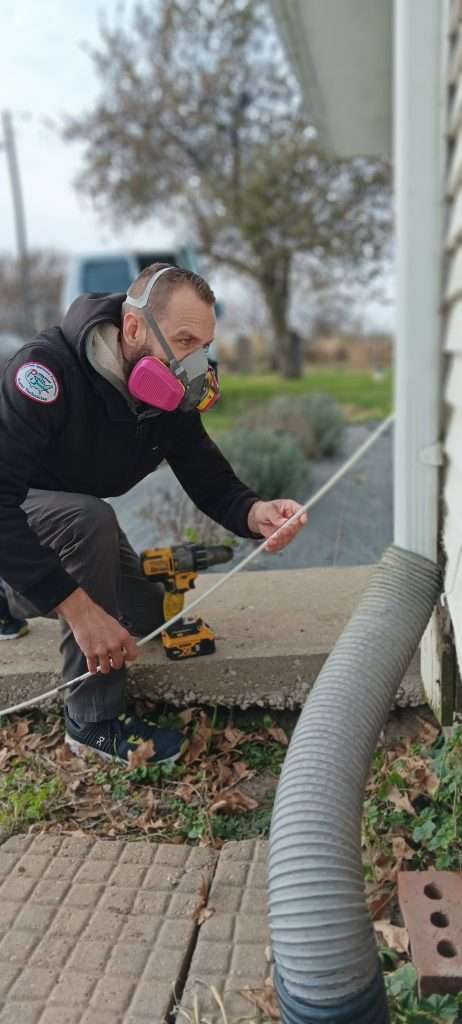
point(165, 285)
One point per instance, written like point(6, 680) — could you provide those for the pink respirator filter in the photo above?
point(153, 383)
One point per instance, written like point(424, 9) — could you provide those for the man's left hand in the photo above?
point(266, 517)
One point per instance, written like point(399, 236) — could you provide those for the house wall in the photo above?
point(452, 335)
point(341, 53)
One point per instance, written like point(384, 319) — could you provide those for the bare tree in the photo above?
point(46, 271)
point(198, 114)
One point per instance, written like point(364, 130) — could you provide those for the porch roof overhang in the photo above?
point(341, 54)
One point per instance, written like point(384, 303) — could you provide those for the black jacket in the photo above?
point(88, 440)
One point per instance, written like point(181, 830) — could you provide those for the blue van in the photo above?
point(114, 271)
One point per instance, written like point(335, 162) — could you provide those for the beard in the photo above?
point(129, 364)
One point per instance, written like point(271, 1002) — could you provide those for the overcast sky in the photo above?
point(44, 74)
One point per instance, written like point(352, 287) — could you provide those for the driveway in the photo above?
point(352, 525)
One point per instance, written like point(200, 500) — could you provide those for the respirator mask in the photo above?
point(185, 384)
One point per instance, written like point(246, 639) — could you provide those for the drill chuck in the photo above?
point(199, 557)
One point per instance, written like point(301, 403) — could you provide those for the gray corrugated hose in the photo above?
point(327, 967)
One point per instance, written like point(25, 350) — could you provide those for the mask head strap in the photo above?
point(141, 303)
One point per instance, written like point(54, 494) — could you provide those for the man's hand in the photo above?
point(103, 641)
point(266, 517)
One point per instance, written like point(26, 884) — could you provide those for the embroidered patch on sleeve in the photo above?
point(37, 382)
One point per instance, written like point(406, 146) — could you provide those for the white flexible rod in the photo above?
point(237, 568)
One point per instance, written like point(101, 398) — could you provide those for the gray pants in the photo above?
point(84, 532)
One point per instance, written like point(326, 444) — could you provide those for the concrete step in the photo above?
point(274, 630)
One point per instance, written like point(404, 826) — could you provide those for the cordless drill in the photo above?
point(177, 569)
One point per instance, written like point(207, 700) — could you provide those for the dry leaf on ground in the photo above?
point(187, 715)
point(400, 800)
point(149, 819)
point(63, 754)
point(201, 911)
point(241, 770)
point(21, 729)
point(54, 737)
point(264, 998)
point(401, 851)
point(4, 755)
point(185, 792)
point(378, 901)
point(384, 869)
point(394, 937)
point(200, 741)
point(233, 801)
point(231, 738)
point(278, 734)
point(143, 753)
point(427, 732)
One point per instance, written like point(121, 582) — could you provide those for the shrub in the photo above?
point(176, 520)
point(316, 421)
point(272, 464)
point(327, 422)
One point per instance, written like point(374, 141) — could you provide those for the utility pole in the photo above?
point(19, 219)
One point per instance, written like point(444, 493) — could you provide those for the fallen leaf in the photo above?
point(204, 914)
point(4, 755)
point(187, 716)
point(394, 937)
point(33, 741)
point(400, 800)
point(233, 801)
point(63, 754)
point(196, 747)
point(22, 729)
point(143, 753)
point(264, 998)
point(241, 770)
point(52, 738)
point(278, 734)
point(429, 783)
point(200, 914)
point(401, 850)
point(384, 870)
point(378, 903)
point(200, 741)
point(427, 731)
point(223, 776)
point(185, 791)
point(233, 736)
point(148, 819)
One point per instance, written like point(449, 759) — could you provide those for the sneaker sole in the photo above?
point(15, 636)
point(83, 748)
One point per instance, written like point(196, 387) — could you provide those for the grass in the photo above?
point(43, 785)
point(360, 395)
point(24, 802)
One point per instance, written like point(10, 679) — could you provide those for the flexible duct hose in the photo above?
point(327, 966)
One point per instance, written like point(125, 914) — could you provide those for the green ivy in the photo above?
point(407, 1008)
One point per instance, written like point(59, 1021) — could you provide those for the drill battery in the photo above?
point(188, 638)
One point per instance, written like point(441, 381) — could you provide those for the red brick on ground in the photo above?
point(431, 905)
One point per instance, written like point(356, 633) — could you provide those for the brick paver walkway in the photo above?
point(232, 949)
point(103, 932)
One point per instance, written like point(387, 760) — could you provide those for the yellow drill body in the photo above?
point(177, 569)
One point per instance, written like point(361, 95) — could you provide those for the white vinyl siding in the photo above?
point(452, 531)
